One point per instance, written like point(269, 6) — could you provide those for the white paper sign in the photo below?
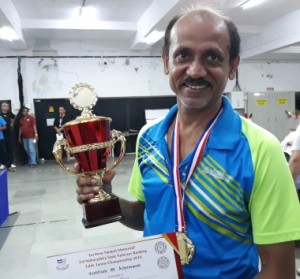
point(150, 257)
point(152, 114)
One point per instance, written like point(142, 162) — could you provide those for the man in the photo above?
point(9, 117)
point(3, 153)
point(286, 144)
point(207, 172)
point(59, 121)
point(294, 165)
point(28, 134)
point(294, 160)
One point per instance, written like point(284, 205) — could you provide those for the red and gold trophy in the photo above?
point(89, 140)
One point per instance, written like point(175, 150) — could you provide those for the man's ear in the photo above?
point(233, 67)
point(165, 59)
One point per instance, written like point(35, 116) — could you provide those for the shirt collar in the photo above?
point(227, 131)
point(224, 135)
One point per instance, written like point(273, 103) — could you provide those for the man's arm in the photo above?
point(133, 211)
point(277, 261)
point(294, 164)
point(36, 135)
point(55, 125)
point(2, 128)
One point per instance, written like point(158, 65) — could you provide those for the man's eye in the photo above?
point(181, 56)
point(213, 57)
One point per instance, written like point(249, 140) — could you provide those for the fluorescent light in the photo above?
point(153, 37)
point(251, 3)
point(7, 33)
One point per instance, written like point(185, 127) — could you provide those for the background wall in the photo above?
point(46, 78)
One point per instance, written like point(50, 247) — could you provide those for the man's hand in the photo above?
point(88, 186)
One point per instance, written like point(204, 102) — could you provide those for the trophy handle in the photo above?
point(118, 136)
point(57, 151)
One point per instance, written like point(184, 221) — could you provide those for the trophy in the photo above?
point(90, 141)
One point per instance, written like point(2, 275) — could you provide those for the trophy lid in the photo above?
point(83, 97)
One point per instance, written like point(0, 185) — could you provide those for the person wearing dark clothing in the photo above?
point(3, 155)
point(9, 117)
point(61, 119)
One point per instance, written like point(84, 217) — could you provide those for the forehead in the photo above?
point(200, 28)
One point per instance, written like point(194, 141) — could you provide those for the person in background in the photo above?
point(28, 134)
point(205, 171)
point(3, 153)
point(9, 117)
point(61, 119)
point(294, 160)
point(294, 165)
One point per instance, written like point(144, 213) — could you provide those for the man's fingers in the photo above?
point(84, 198)
point(85, 190)
point(108, 177)
point(89, 186)
point(76, 167)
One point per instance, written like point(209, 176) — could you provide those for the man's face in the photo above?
point(25, 112)
point(198, 64)
point(61, 110)
point(4, 107)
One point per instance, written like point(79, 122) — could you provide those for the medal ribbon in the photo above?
point(194, 162)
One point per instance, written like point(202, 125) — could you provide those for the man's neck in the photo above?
point(192, 124)
point(196, 119)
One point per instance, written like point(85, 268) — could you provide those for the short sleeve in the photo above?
point(135, 184)
point(296, 141)
point(274, 205)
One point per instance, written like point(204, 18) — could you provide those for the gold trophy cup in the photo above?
point(90, 141)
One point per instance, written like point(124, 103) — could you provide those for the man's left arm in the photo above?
point(35, 129)
point(275, 211)
point(277, 261)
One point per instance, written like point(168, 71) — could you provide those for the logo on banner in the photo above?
point(62, 264)
point(163, 262)
point(160, 247)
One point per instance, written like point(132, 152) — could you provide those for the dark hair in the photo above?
point(25, 108)
point(167, 39)
point(234, 36)
point(235, 40)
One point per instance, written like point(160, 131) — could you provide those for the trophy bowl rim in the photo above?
point(80, 120)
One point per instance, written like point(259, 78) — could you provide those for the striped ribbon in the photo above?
point(196, 157)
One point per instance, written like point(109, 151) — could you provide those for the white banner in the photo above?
point(150, 257)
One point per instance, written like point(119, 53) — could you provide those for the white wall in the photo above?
point(8, 79)
point(111, 77)
point(260, 75)
point(125, 76)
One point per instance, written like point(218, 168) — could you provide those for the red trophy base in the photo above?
point(101, 212)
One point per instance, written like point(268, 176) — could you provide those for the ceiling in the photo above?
point(46, 27)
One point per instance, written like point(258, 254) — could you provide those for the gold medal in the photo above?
point(186, 248)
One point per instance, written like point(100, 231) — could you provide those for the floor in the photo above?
point(45, 220)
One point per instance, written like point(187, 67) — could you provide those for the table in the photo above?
point(3, 197)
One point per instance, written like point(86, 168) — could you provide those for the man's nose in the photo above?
point(196, 69)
